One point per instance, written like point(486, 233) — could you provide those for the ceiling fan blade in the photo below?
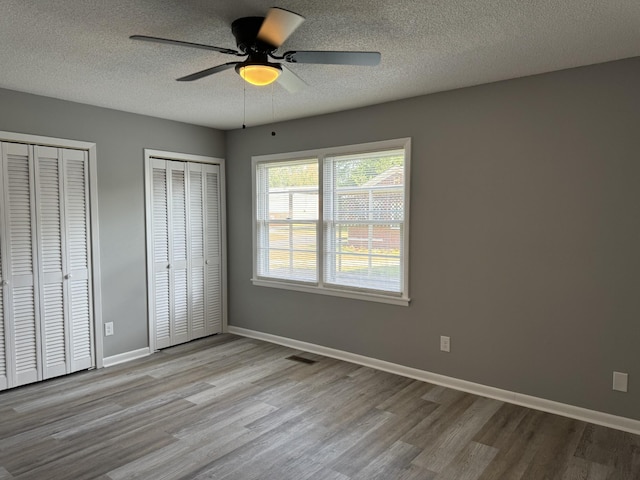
point(290, 81)
point(146, 38)
point(208, 71)
point(278, 25)
point(334, 58)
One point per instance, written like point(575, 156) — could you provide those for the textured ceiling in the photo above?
point(79, 50)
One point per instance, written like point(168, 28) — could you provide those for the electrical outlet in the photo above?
point(108, 329)
point(445, 343)
point(620, 381)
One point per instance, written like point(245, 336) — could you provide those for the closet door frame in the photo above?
point(94, 236)
point(149, 155)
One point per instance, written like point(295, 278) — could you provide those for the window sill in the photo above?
point(356, 295)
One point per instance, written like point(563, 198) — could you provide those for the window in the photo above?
point(334, 221)
point(287, 220)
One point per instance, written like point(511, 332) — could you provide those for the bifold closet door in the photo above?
point(185, 296)
point(77, 246)
point(205, 295)
point(46, 319)
point(63, 248)
point(169, 232)
point(20, 301)
point(160, 284)
point(213, 249)
point(196, 251)
point(3, 350)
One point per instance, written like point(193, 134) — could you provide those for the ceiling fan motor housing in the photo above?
point(245, 30)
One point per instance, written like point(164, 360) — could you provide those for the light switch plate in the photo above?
point(445, 344)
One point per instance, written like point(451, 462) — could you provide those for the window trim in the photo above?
point(320, 287)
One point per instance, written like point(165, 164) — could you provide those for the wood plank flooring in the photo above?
point(228, 408)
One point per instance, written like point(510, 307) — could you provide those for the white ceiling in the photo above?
point(80, 50)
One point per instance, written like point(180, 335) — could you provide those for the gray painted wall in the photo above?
point(120, 139)
point(524, 229)
point(525, 236)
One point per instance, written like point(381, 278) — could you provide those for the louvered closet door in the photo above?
point(196, 251)
point(178, 278)
point(20, 304)
point(170, 292)
point(3, 348)
point(63, 246)
point(213, 250)
point(3, 286)
point(54, 322)
point(77, 252)
point(186, 288)
point(160, 290)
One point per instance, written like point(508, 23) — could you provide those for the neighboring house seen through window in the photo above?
point(334, 221)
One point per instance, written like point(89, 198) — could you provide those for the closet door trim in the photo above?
point(94, 243)
point(149, 156)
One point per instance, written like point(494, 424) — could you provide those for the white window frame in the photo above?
point(320, 287)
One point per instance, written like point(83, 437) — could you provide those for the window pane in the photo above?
point(297, 203)
point(288, 251)
point(372, 169)
point(361, 204)
point(292, 236)
point(364, 220)
point(364, 256)
point(287, 206)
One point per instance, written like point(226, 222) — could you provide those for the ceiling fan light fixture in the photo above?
point(260, 74)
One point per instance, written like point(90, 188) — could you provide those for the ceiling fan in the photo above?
point(257, 39)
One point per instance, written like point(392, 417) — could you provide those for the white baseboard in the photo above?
point(592, 416)
point(125, 357)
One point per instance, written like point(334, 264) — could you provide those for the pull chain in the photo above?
point(273, 114)
point(244, 105)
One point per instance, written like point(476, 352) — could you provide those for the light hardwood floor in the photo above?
point(233, 408)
